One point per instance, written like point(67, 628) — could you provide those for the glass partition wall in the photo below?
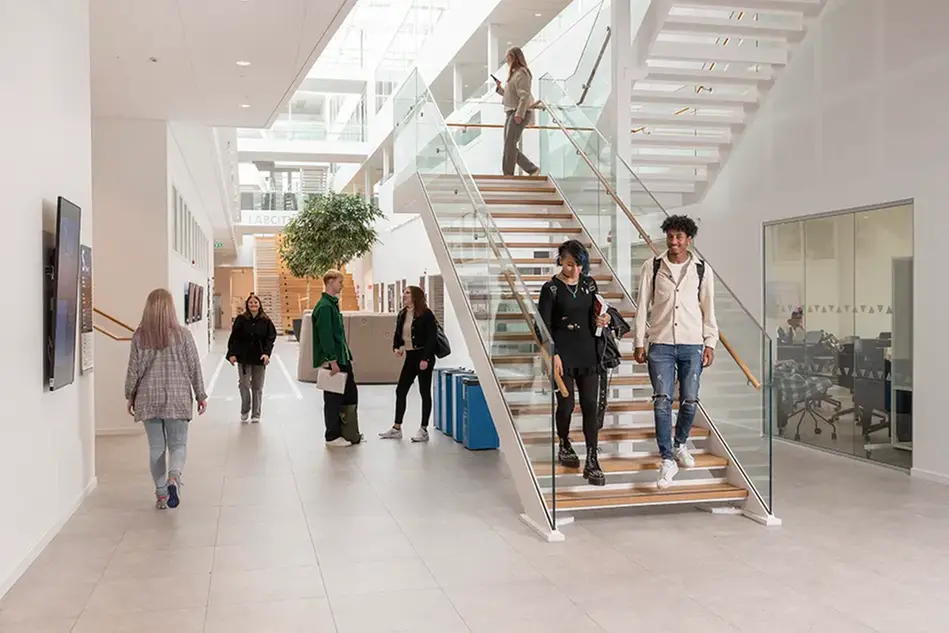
point(838, 294)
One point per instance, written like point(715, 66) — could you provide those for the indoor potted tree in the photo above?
point(332, 229)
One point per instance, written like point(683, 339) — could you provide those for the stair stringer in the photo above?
point(412, 197)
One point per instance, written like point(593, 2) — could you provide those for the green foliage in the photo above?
point(332, 230)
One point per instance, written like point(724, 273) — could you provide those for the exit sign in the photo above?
point(219, 245)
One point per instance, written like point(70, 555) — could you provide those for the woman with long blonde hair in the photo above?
point(162, 384)
point(518, 105)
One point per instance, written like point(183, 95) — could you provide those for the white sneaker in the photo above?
point(684, 457)
point(244, 418)
point(421, 436)
point(391, 434)
point(339, 441)
point(255, 420)
point(667, 471)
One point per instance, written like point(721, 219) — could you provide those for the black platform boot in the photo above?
point(592, 471)
point(567, 456)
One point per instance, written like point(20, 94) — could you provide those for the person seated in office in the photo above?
point(795, 333)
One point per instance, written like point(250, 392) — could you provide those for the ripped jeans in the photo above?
point(664, 362)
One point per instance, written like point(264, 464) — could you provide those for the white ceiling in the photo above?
point(197, 44)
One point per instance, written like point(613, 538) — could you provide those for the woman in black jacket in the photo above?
point(567, 307)
point(250, 347)
point(416, 337)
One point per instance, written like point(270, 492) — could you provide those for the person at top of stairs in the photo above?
point(518, 101)
point(677, 292)
point(566, 306)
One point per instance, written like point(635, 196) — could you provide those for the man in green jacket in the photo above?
point(331, 351)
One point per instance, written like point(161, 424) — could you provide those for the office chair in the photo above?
point(800, 394)
point(845, 376)
point(871, 386)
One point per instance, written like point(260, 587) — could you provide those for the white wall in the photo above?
point(131, 255)
point(857, 118)
point(186, 144)
point(137, 164)
point(46, 439)
point(404, 252)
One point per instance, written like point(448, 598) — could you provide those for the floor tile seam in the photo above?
point(309, 529)
point(98, 582)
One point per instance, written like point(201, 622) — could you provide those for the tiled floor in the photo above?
point(277, 534)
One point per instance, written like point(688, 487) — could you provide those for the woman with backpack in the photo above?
point(567, 307)
point(250, 347)
point(162, 384)
point(415, 340)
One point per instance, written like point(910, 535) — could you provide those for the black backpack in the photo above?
point(657, 262)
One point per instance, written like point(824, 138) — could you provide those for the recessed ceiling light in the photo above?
point(537, 15)
point(245, 105)
point(243, 63)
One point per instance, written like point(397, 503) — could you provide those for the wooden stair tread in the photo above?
point(517, 316)
point(504, 189)
point(554, 202)
point(509, 178)
point(612, 434)
point(605, 277)
point(615, 381)
point(521, 261)
point(523, 230)
point(630, 464)
point(611, 407)
point(648, 495)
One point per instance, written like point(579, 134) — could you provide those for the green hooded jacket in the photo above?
point(329, 336)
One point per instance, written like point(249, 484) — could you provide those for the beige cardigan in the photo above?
point(517, 96)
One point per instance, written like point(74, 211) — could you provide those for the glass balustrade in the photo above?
point(511, 334)
point(624, 220)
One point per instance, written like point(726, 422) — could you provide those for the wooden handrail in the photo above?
point(558, 379)
point(111, 335)
point(500, 126)
point(754, 382)
point(113, 319)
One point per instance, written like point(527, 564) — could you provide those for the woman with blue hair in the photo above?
point(567, 307)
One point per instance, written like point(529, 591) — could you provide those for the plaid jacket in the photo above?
point(164, 384)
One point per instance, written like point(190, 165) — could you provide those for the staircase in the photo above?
point(710, 65)
point(532, 219)
point(495, 239)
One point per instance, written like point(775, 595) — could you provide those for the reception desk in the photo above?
point(369, 335)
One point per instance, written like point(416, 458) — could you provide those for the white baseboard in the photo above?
point(7, 583)
point(927, 475)
point(132, 429)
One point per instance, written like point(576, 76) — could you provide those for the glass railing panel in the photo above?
point(512, 335)
point(735, 390)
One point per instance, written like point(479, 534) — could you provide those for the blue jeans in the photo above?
point(166, 438)
point(664, 362)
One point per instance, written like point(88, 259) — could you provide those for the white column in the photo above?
point(386, 162)
point(458, 86)
point(367, 181)
point(494, 48)
point(624, 233)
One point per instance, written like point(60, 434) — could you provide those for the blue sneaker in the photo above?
point(173, 486)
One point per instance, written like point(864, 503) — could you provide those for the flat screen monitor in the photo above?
point(62, 343)
point(187, 303)
point(192, 302)
point(200, 314)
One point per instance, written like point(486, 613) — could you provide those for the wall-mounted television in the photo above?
point(199, 307)
point(61, 352)
point(188, 303)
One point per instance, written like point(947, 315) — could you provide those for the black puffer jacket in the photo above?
point(424, 333)
point(251, 338)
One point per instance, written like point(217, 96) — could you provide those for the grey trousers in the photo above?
point(251, 384)
point(166, 438)
point(512, 136)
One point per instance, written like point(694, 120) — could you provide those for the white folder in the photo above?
point(326, 381)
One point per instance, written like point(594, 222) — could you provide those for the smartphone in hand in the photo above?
point(496, 80)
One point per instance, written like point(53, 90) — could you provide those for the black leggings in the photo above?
point(588, 386)
point(410, 370)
